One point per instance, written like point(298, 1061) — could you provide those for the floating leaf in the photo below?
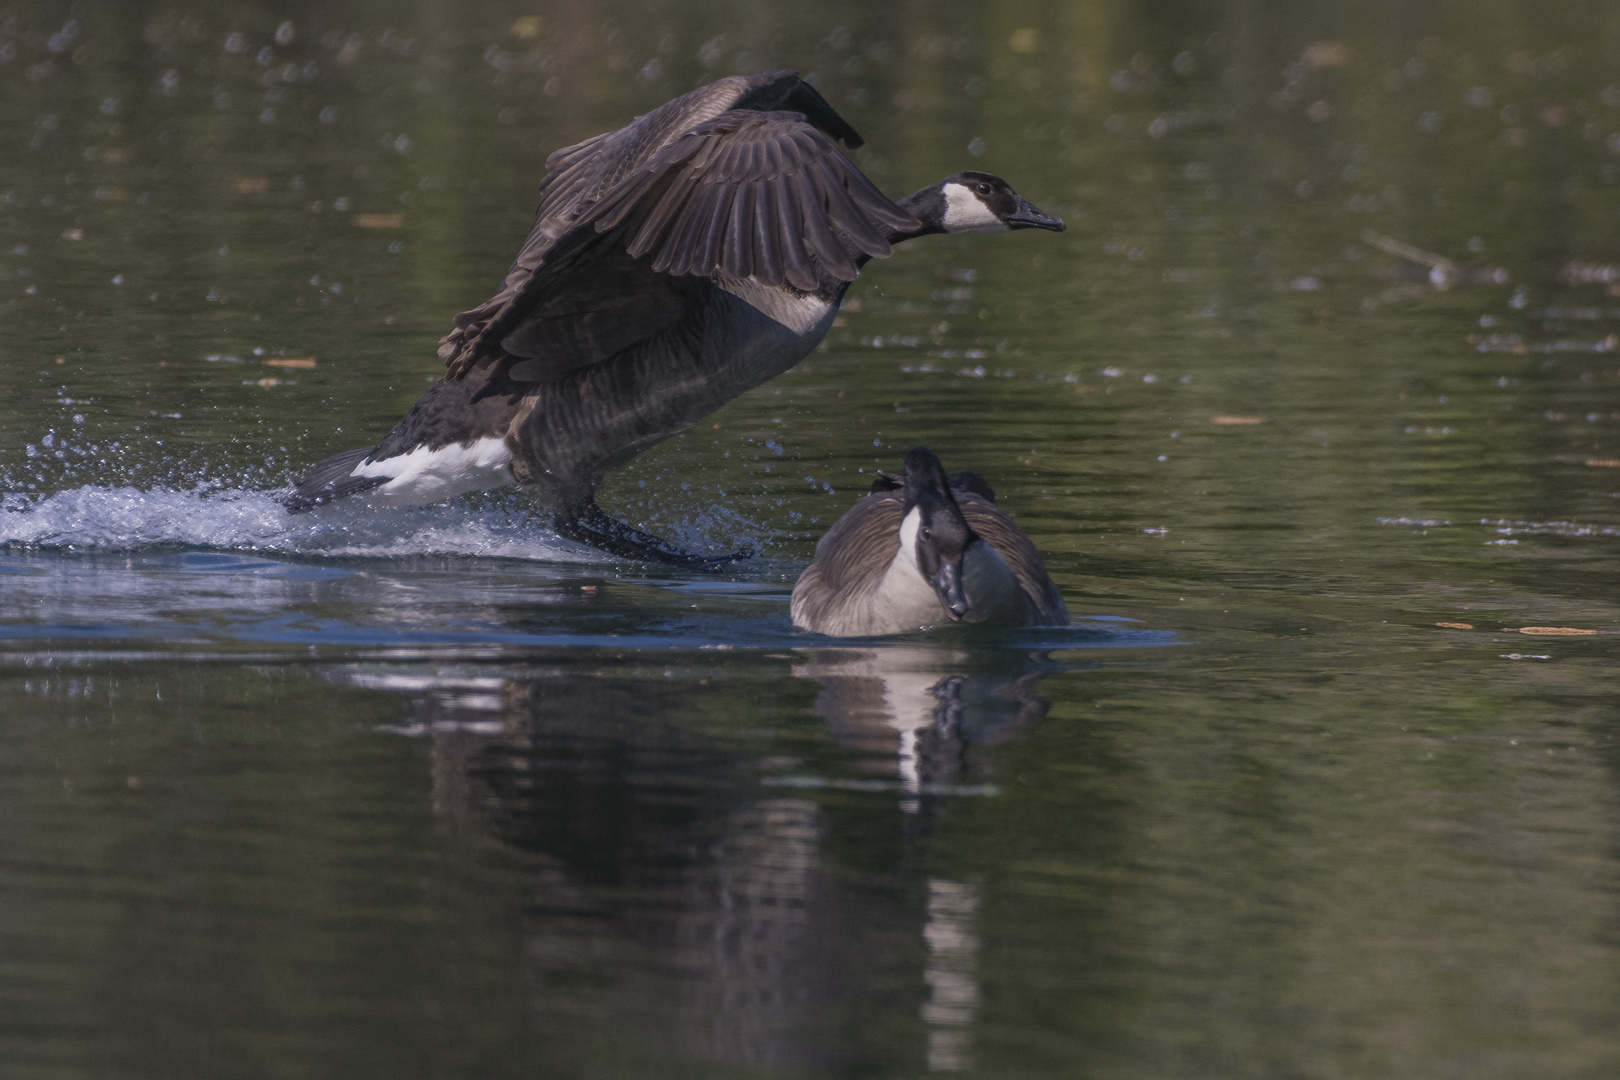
point(1557, 631)
point(246, 185)
point(379, 221)
point(1237, 419)
point(1603, 463)
point(292, 362)
point(1456, 625)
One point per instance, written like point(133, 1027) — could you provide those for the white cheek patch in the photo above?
point(966, 212)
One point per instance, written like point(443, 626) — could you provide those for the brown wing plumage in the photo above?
point(850, 559)
point(590, 312)
point(578, 175)
point(703, 183)
point(995, 527)
point(762, 195)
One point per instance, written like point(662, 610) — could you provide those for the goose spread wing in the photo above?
point(762, 195)
point(1019, 553)
point(580, 177)
point(592, 301)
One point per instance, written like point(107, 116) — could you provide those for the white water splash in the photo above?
point(127, 518)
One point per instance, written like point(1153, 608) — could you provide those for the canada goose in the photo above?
point(689, 256)
point(922, 550)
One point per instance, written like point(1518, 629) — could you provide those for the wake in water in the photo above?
point(235, 519)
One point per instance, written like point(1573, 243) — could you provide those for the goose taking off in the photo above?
point(923, 550)
point(689, 256)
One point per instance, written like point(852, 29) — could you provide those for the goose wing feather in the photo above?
point(592, 309)
point(750, 153)
point(851, 558)
point(996, 528)
point(621, 165)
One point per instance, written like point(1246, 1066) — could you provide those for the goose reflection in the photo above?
point(663, 881)
point(920, 711)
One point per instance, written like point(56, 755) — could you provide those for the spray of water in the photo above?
point(222, 517)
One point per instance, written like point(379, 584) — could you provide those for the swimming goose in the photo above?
point(689, 256)
point(923, 550)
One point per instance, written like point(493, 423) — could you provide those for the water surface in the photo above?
point(1313, 411)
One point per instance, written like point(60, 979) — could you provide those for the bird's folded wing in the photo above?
point(1019, 553)
point(851, 558)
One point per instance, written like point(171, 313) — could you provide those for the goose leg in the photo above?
point(588, 524)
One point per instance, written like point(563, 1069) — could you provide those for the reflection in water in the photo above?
point(921, 708)
point(953, 952)
point(671, 886)
point(654, 853)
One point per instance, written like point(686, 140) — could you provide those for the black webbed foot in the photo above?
point(589, 525)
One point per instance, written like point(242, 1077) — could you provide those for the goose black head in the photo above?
point(976, 202)
point(933, 524)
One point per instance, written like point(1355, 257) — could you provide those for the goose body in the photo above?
point(674, 264)
point(935, 550)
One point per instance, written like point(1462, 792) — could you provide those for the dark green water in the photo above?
point(1326, 359)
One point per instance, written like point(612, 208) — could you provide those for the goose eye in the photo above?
point(984, 189)
point(927, 534)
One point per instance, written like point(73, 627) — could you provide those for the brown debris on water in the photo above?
point(1559, 631)
point(1443, 272)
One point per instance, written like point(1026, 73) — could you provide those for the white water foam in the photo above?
point(93, 518)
